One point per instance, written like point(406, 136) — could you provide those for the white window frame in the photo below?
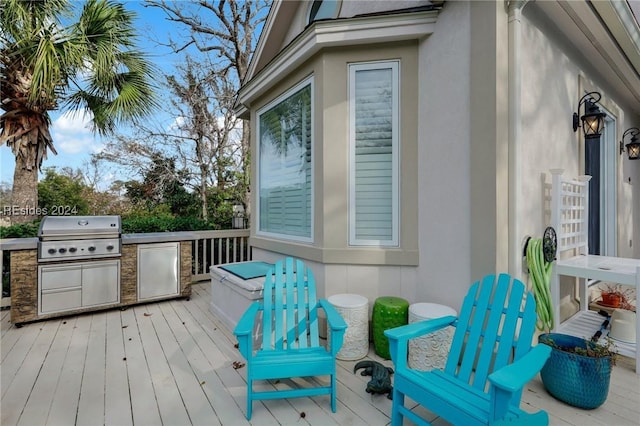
point(394, 65)
point(306, 82)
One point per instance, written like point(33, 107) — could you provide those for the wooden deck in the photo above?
point(172, 363)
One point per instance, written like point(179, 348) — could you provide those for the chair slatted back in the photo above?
point(494, 328)
point(290, 307)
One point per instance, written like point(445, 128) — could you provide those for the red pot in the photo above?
point(613, 300)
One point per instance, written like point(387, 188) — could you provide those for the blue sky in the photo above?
point(71, 134)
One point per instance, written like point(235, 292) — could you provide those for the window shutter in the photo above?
point(285, 187)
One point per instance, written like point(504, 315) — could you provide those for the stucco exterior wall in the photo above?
point(444, 174)
point(554, 77)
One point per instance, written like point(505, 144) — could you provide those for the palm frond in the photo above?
point(23, 18)
point(89, 65)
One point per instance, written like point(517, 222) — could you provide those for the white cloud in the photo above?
point(72, 134)
point(177, 123)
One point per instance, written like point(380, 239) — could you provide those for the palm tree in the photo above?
point(47, 64)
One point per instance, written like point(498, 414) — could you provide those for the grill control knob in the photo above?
point(62, 250)
point(92, 248)
point(51, 250)
point(110, 247)
point(72, 249)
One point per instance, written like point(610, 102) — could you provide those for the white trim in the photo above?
point(332, 33)
point(609, 188)
point(622, 24)
point(262, 40)
point(306, 82)
point(395, 170)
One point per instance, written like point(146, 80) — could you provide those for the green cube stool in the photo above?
point(388, 312)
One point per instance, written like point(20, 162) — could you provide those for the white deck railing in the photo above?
point(218, 247)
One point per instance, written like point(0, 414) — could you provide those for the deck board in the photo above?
point(36, 410)
point(19, 389)
point(64, 406)
point(144, 405)
point(92, 388)
point(170, 363)
point(117, 406)
point(206, 360)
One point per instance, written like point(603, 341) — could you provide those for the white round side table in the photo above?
point(431, 351)
point(354, 309)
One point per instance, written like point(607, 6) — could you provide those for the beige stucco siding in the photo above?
point(554, 77)
point(444, 138)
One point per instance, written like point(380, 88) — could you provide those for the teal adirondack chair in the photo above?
point(490, 360)
point(290, 343)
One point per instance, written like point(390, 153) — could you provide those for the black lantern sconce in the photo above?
point(633, 147)
point(593, 118)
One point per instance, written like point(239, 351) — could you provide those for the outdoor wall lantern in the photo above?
point(633, 147)
point(239, 219)
point(593, 118)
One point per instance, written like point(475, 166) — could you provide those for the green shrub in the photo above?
point(134, 225)
point(130, 225)
point(21, 230)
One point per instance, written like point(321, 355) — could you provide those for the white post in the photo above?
point(556, 204)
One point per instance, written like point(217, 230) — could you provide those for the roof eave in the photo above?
point(334, 33)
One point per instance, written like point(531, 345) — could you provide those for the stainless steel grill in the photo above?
point(79, 237)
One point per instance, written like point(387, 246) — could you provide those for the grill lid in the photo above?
point(79, 227)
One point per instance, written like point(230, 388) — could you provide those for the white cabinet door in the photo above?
point(158, 270)
point(100, 283)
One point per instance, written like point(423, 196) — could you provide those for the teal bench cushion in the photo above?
point(247, 270)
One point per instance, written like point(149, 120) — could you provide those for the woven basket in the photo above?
point(578, 380)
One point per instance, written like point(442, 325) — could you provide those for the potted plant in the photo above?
point(578, 371)
point(617, 296)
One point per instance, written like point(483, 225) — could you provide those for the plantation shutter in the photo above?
point(285, 189)
point(374, 105)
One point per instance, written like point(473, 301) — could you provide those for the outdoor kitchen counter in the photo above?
point(157, 237)
point(148, 238)
point(25, 289)
point(19, 244)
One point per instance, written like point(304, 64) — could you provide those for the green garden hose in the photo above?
point(540, 272)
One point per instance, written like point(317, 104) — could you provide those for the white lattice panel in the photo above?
point(570, 218)
point(569, 212)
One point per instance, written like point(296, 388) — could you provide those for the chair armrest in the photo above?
point(399, 336)
point(514, 376)
point(335, 325)
point(507, 383)
point(334, 319)
point(417, 329)
point(244, 330)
